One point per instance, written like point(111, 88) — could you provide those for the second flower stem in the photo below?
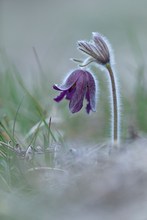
point(115, 110)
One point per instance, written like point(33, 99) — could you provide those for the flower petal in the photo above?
point(91, 92)
point(102, 45)
point(88, 108)
point(69, 81)
point(70, 93)
point(76, 101)
point(56, 87)
point(60, 97)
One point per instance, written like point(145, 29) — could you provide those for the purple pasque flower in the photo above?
point(78, 85)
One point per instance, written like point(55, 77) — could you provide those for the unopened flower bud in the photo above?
point(97, 49)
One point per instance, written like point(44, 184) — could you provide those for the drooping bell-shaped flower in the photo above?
point(78, 85)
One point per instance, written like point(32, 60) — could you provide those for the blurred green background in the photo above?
point(37, 40)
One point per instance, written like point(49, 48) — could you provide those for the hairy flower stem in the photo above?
point(115, 110)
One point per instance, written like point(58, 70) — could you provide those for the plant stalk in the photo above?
point(115, 110)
